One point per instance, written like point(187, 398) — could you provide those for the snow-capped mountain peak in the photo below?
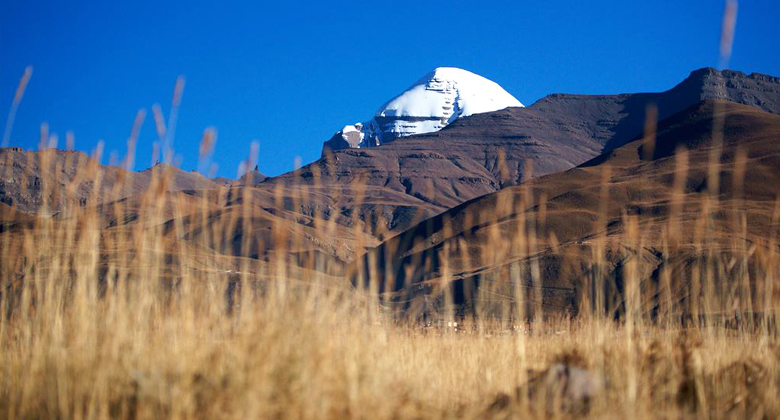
point(448, 92)
point(430, 104)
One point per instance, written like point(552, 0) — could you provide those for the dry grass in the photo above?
point(109, 320)
point(138, 353)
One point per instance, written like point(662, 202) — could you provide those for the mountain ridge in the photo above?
point(556, 133)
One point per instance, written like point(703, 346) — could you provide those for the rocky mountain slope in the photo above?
point(639, 204)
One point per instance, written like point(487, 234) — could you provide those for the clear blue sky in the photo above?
point(289, 74)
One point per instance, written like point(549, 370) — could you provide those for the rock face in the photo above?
point(430, 104)
point(758, 90)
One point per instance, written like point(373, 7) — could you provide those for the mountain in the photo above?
point(479, 244)
point(430, 104)
point(29, 177)
point(482, 153)
point(372, 194)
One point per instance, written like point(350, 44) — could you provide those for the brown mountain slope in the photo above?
point(69, 179)
point(247, 222)
point(30, 176)
point(227, 232)
point(147, 245)
point(571, 230)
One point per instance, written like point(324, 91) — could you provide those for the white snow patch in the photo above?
point(349, 129)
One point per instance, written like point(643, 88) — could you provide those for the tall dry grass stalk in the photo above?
point(18, 95)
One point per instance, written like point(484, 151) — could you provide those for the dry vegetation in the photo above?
point(109, 316)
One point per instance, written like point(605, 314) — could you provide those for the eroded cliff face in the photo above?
point(758, 90)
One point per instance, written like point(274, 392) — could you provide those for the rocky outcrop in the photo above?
point(252, 178)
